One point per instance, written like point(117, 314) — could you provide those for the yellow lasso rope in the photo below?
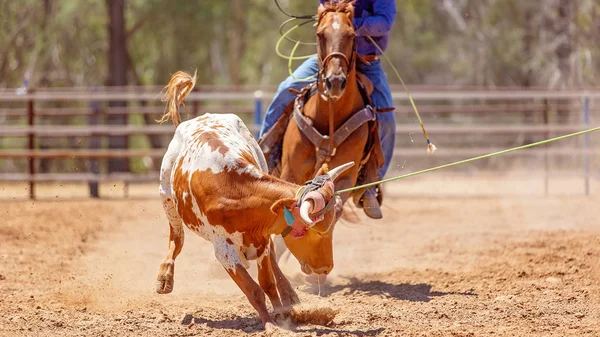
point(430, 147)
point(470, 160)
point(291, 57)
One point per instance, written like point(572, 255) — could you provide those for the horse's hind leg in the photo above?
point(164, 281)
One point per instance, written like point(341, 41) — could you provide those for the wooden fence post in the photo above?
point(31, 145)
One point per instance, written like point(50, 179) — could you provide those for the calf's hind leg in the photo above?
point(164, 281)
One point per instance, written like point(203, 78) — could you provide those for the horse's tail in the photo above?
point(180, 85)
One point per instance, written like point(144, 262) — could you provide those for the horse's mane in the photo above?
point(339, 5)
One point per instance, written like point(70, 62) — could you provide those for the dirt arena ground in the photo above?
point(469, 263)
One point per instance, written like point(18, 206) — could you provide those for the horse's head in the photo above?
point(336, 45)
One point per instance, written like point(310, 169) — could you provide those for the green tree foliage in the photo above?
point(552, 43)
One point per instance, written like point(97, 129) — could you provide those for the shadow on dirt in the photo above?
point(323, 331)
point(251, 325)
point(404, 292)
point(247, 324)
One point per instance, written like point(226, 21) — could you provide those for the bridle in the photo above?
point(350, 62)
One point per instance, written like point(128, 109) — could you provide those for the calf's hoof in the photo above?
point(282, 313)
point(164, 281)
point(271, 327)
point(164, 284)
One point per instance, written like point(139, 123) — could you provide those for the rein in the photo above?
point(350, 63)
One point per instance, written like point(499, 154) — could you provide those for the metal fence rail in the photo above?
point(35, 108)
point(118, 130)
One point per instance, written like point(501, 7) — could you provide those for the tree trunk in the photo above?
point(237, 40)
point(563, 51)
point(527, 72)
point(117, 76)
point(564, 46)
point(155, 141)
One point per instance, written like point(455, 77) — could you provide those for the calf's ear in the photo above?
point(277, 206)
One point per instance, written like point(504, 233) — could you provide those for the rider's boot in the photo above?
point(371, 203)
point(371, 198)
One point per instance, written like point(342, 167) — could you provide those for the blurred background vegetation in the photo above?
point(552, 44)
point(545, 43)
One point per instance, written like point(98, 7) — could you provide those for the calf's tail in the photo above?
point(180, 85)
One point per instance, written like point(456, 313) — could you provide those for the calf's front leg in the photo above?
point(229, 256)
point(266, 278)
point(253, 292)
point(286, 291)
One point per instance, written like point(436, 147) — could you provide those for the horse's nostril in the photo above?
point(344, 82)
point(328, 84)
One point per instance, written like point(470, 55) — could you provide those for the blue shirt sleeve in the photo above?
point(378, 24)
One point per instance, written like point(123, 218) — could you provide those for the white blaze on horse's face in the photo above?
point(336, 25)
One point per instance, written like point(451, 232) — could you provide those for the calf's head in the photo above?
point(310, 219)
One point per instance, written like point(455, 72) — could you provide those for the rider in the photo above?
point(372, 18)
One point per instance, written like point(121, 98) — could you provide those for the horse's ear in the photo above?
point(320, 10)
point(350, 15)
point(350, 9)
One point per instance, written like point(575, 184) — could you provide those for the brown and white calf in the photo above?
point(214, 180)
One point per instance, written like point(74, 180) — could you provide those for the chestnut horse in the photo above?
point(332, 121)
point(335, 125)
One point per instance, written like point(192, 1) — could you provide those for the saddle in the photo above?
point(271, 142)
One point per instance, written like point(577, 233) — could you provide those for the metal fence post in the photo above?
point(586, 144)
point(258, 103)
point(31, 145)
point(546, 135)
